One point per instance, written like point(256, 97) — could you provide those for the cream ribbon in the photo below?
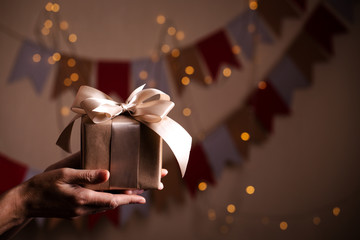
point(149, 106)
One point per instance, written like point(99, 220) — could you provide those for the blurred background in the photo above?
point(269, 91)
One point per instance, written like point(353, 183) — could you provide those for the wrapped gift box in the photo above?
point(131, 152)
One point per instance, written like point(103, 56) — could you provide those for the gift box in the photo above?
point(131, 152)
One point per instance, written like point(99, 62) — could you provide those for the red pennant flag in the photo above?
point(266, 103)
point(198, 170)
point(114, 77)
point(216, 50)
point(11, 173)
point(322, 25)
point(112, 215)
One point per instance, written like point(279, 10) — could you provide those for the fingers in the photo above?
point(164, 172)
point(74, 176)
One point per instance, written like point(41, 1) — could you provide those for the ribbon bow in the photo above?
point(149, 106)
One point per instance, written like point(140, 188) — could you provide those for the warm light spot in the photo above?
point(55, 7)
point(211, 214)
point(229, 219)
point(45, 31)
point(67, 82)
point(180, 35)
point(227, 72)
point(65, 111)
point(202, 186)
point(253, 5)
point(165, 48)
point(236, 49)
point(36, 57)
point(265, 220)
point(171, 31)
point(283, 225)
point(72, 37)
point(231, 208)
point(336, 211)
point(48, 23)
point(208, 80)
point(224, 229)
point(74, 77)
point(250, 190)
point(189, 70)
point(143, 75)
point(262, 85)
point(48, 6)
point(185, 81)
point(51, 60)
point(251, 28)
point(175, 53)
point(186, 112)
point(71, 62)
point(56, 57)
point(64, 25)
point(245, 136)
point(316, 220)
point(160, 19)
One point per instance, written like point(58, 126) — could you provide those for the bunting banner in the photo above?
point(112, 215)
point(245, 28)
point(72, 73)
point(12, 173)
point(32, 62)
point(128, 210)
point(216, 51)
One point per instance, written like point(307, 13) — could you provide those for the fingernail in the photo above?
point(161, 187)
point(142, 201)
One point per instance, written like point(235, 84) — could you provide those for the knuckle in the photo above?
point(113, 204)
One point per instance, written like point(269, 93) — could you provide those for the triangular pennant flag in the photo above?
point(12, 173)
point(344, 7)
point(304, 52)
point(245, 28)
point(114, 77)
point(286, 78)
point(112, 215)
point(198, 170)
point(173, 186)
point(274, 12)
point(149, 72)
point(322, 25)
point(32, 62)
point(266, 104)
point(219, 149)
point(178, 66)
point(72, 73)
point(216, 51)
point(127, 210)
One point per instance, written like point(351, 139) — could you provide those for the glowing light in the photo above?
point(171, 31)
point(48, 6)
point(211, 214)
point(175, 53)
point(316, 220)
point(202, 186)
point(185, 81)
point(143, 75)
point(51, 60)
point(36, 57)
point(336, 211)
point(186, 112)
point(283, 225)
point(227, 72)
point(251, 28)
point(224, 229)
point(74, 77)
point(236, 49)
point(231, 208)
point(262, 85)
point(65, 111)
point(71, 62)
point(67, 82)
point(208, 80)
point(55, 7)
point(72, 37)
point(253, 5)
point(45, 31)
point(48, 23)
point(180, 35)
point(160, 19)
point(245, 136)
point(250, 190)
point(265, 220)
point(229, 219)
point(56, 57)
point(165, 48)
point(189, 70)
point(64, 25)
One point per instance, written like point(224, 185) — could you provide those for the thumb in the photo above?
point(74, 176)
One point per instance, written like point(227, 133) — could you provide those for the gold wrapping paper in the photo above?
point(131, 151)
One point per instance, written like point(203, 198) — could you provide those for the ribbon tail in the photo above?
point(64, 138)
point(178, 139)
